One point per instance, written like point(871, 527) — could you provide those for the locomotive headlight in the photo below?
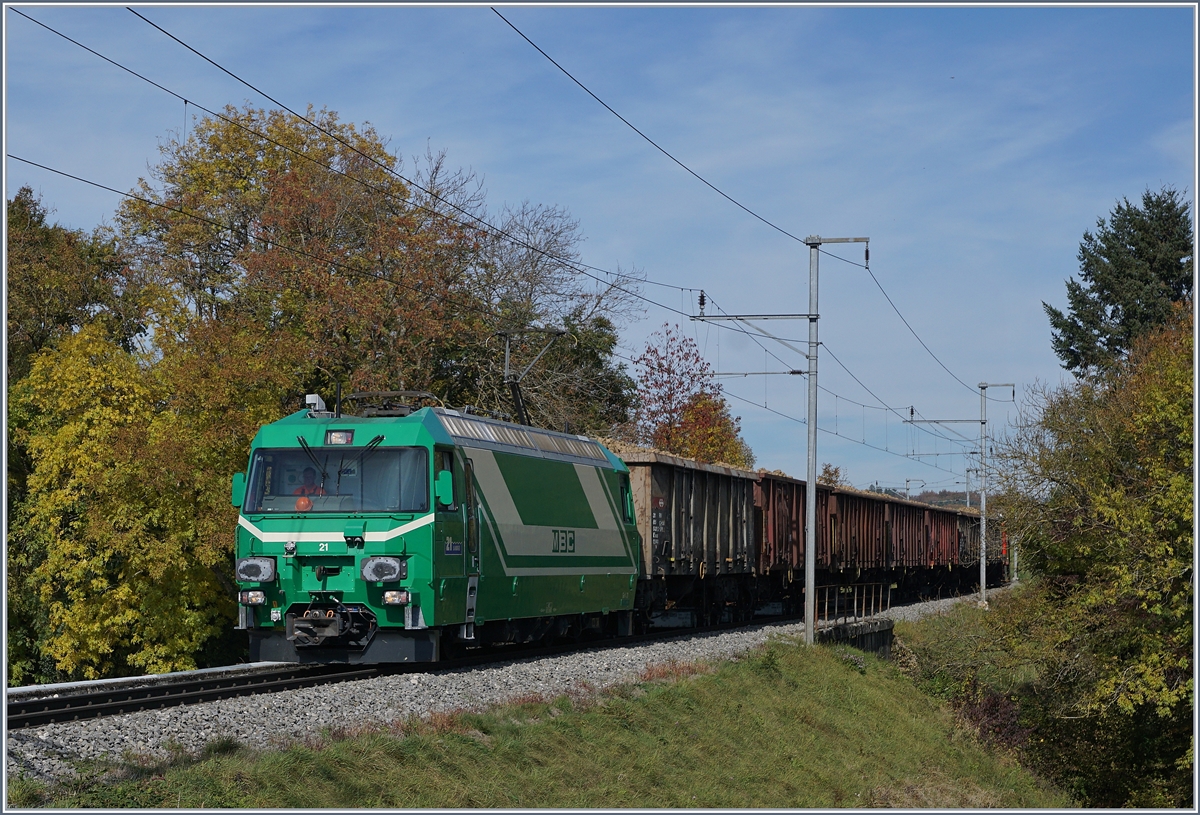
point(255, 569)
point(396, 598)
point(384, 569)
point(252, 598)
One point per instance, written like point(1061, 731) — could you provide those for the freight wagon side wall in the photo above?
point(695, 520)
point(857, 527)
point(779, 513)
point(856, 530)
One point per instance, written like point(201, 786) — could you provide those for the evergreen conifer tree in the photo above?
point(1131, 270)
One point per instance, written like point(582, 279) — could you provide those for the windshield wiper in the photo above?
point(313, 458)
point(362, 457)
point(369, 448)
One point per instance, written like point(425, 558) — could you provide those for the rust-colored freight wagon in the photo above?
point(861, 536)
point(717, 541)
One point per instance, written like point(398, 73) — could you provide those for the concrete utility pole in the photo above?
point(810, 489)
point(810, 510)
point(983, 386)
point(968, 471)
point(908, 481)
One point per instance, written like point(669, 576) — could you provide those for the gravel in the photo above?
point(275, 720)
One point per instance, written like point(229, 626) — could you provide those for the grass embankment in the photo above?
point(785, 727)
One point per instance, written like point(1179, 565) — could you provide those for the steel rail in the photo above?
point(67, 707)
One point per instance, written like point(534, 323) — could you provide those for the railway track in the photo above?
point(90, 704)
point(33, 709)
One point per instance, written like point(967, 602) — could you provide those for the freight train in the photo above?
point(405, 534)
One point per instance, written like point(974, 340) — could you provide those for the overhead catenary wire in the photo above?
point(309, 255)
point(833, 433)
point(903, 320)
point(781, 414)
point(581, 268)
point(694, 174)
point(570, 263)
point(359, 273)
point(276, 244)
point(723, 194)
point(577, 266)
point(363, 274)
point(868, 390)
point(787, 344)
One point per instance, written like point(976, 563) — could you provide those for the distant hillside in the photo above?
point(947, 498)
point(942, 498)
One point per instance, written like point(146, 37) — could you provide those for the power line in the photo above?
point(901, 316)
point(835, 433)
point(298, 252)
point(572, 264)
point(694, 174)
point(724, 195)
point(567, 262)
point(844, 368)
point(868, 390)
point(581, 268)
point(358, 273)
point(885, 407)
point(576, 266)
point(803, 422)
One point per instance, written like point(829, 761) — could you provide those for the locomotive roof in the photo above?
point(493, 434)
point(446, 426)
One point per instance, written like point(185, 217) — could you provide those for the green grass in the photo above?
point(787, 727)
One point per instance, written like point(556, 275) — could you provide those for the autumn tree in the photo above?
point(530, 277)
point(680, 408)
point(59, 280)
point(832, 476)
point(1097, 486)
point(272, 257)
point(1136, 265)
point(707, 432)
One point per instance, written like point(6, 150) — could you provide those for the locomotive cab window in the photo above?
point(626, 500)
point(343, 479)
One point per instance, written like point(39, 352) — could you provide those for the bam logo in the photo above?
point(564, 540)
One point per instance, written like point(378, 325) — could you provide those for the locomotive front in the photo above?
point(336, 533)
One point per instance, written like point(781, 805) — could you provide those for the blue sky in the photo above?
point(972, 145)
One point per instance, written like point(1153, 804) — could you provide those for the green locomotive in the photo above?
point(400, 534)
